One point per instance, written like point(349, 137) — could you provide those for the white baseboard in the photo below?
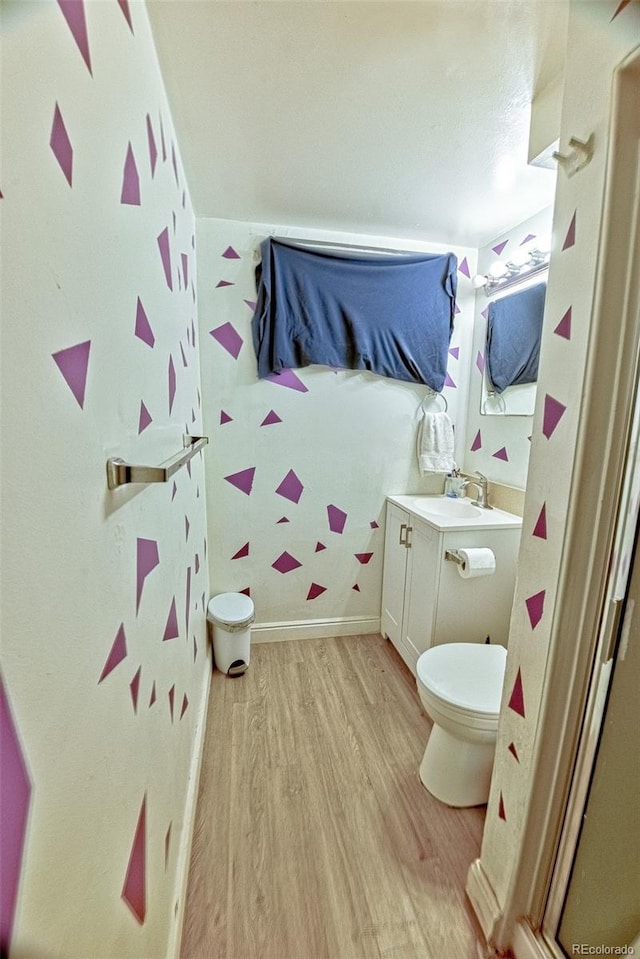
point(483, 899)
point(186, 836)
point(314, 628)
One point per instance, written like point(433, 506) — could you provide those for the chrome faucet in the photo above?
point(482, 488)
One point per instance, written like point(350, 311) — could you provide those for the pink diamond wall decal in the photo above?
point(363, 557)
point(61, 145)
point(528, 238)
point(143, 329)
point(242, 480)
point(229, 338)
point(185, 268)
point(184, 359)
point(316, 590)
point(480, 361)
point(290, 487)
point(134, 888)
point(501, 454)
point(337, 518)
point(270, 418)
point(187, 527)
point(146, 560)
point(187, 600)
point(171, 630)
point(535, 607)
point(15, 797)
point(564, 326)
point(230, 254)
point(174, 164)
point(553, 411)
point(165, 255)
point(172, 696)
point(246, 591)
point(449, 382)
point(242, 552)
point(172, 383)
point(570, 238)
point(224, 283)
point(225, 418)
point(514, 752)
point(185, 705)
point(134, 688)
point(289, 379)
point(499, 247)
point(620, 8)
point(167, 845)
point(356, 587)
point(153, 150)
point(373, 524)
point(153, 696)
point(73, 363)
point(455, 352)
point(501, 812)
point(516, 700)
point(285, 563)
point(319, 547)
point(540, 529)
point(124, 6)
point(464, 268)
point(456, 309)
point(197, 564)
point(477, 442)
point(251, 304)
point(117, 654)
point(283, 519)
point(162, 140)
point(73, 12)
point(130, 181)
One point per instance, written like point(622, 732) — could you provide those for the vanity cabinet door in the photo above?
point(394, 572)
point(422, 590)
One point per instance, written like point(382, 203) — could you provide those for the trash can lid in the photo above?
point(230, 608)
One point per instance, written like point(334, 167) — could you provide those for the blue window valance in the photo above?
point(514, 330)
point(389, 315)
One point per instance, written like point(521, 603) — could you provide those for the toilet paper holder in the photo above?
point(454, 557)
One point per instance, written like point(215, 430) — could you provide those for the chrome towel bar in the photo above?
point(119, 473)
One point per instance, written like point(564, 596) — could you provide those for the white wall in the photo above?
point(349, 438)
point(75, 261)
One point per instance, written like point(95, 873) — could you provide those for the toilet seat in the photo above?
point(466, 679)
point(231, 611)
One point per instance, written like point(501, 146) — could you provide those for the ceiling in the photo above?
point(401, 119)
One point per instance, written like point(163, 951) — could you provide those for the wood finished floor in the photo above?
point(314, 838)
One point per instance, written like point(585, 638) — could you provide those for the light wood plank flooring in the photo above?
point(314, 838)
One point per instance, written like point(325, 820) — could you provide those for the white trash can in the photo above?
point(231, 616)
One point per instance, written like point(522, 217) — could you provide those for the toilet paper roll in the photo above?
point(479, 561)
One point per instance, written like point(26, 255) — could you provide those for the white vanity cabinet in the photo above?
point(424, 599)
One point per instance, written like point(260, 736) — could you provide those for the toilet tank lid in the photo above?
point(230, 608)
point(468, 675)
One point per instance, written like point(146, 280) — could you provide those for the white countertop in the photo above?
point(440, 512)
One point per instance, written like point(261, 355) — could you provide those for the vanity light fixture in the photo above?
point(524, 264)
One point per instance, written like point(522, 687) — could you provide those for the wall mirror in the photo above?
point(512, 350)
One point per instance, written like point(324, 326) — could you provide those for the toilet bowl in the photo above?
point(460, 687)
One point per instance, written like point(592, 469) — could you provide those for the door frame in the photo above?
point(566, 738)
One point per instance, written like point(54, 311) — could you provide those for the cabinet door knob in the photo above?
point(403, 542)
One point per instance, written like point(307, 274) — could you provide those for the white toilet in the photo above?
point(460, 687)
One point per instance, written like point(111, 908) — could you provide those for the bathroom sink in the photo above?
point(445, 506)
point(445, 513)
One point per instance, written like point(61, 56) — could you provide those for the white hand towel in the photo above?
point(435, 443)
